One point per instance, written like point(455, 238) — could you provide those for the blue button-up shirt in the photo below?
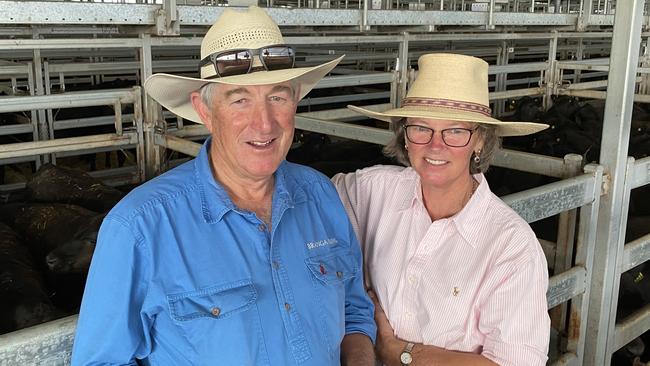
point(181, 276)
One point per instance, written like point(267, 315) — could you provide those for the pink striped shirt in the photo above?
point(475, 282)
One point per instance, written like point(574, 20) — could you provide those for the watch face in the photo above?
point(406, 358)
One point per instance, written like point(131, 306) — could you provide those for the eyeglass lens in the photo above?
point(454, 137)
point(240, 62)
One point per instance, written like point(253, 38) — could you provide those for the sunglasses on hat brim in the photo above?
point(240, 61)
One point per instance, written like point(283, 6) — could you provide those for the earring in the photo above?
point(406, 147)
point(477, 157)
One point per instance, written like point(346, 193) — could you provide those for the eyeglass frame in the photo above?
point(442, 134)
point(211, 59)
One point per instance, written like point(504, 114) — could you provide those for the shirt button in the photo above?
point(261, 227)
point(339, 274)
point(215, 311)
point(412, 279)
point(287, 306)
point(276, 264)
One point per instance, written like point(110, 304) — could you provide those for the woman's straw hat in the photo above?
point(451, 87)
point(248, 29)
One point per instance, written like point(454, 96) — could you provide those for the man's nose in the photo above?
point(263, 118)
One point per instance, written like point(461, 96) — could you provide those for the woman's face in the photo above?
point(440, 166)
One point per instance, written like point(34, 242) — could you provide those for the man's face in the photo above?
point(252, 129)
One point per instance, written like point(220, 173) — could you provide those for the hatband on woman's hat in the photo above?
point(250, 29)
point(451, 87)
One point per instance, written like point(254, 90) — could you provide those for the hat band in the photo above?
point(447, 103)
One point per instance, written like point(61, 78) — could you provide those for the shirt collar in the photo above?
point(467, 220)
point(410, 182)
point(215, 201)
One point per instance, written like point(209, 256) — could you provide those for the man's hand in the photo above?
point(356, 350)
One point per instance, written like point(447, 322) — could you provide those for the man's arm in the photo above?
point(110, 329)
point(356, 349)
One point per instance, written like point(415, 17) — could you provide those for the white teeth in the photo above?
point(257, 143)
point(435, 162)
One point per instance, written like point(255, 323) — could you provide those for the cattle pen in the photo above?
point(58, 56)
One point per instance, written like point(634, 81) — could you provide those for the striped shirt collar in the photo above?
point(465, 221)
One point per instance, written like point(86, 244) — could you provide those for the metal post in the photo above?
point(551, 78)
point(585, 12)
point(364, 17)
point(150, 108)
point(43, 132)
point(490, 24)
point(402, 67)
point(624, 58)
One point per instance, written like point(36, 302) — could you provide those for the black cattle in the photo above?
point(328, 157)
point(53, 183)
point(74, 255)
point(22, 289)
point(47, 227)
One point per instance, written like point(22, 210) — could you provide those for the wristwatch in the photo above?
point(406, 358)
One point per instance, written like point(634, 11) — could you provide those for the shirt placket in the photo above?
point(284, 296)
point(413, 272)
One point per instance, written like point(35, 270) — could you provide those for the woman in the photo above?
point(458, 278)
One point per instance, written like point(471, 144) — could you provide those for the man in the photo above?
point(236, 257)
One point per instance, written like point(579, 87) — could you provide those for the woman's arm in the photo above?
point(389, 348)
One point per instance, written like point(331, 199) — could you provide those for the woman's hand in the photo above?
point(387, 347)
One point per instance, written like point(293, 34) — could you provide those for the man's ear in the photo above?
point(201, 109)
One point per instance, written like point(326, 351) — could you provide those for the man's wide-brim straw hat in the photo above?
point(251, 29)
point(451, 87)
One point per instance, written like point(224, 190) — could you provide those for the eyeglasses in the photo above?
point(237, 62)
point(453, 137)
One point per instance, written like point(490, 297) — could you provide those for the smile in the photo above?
point(261, 143)
point(435, 162)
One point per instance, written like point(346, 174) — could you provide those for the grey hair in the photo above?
point(207, 92)
point(396, 147)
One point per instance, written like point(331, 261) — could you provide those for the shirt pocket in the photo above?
point(333, 268)
point(329, 274)
point(218, 302)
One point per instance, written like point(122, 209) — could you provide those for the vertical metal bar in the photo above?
point(364, 17)
point(585, 253)
point(403, 67)
point(579, 55)
point(551, 74)
point(586, 6)
point(152, 153)
point(624, 58)
point(490, 24)
point(565, 239)
point(43, 133)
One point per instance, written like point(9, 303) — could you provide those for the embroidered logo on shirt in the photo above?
point(321, 243)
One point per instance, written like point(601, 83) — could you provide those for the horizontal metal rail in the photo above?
point(641, 174)
point(565, 286)
point(635, 253)
point(531, 163)
point(597, 94)
point(67, 144)
point(45, 344)
point(354, 80)
point(551, 199)
point(631, 327)
point(69, 100)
